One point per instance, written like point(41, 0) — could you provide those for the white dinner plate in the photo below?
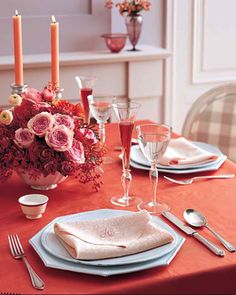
point(55, 248)
point(137, 157)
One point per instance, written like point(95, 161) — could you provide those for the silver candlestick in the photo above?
point(18, 89)
point(59, 93)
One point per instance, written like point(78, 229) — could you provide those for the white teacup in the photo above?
point(33, 205)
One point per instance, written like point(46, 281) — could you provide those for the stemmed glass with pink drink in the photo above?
point(86, 84)
point(126, 114)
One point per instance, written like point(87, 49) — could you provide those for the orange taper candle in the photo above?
point(54, 52)
point(18, 49)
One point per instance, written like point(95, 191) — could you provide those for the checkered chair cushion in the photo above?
point(215, 123)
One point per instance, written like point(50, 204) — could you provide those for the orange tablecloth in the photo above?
point(194, 270)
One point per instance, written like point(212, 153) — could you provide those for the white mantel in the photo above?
point(146, 52)
point(135, 75)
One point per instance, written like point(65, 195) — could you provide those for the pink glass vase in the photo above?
point(42, 183)
point(134, 27)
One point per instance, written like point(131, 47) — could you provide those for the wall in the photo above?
point(81, 24)
point(203, 46)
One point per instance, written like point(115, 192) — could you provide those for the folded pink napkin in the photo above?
point(180, 151)
point(111, 237)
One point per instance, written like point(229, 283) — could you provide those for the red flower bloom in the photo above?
point(50, 167)
point(67, 168)
point(46, 154)
point(48, 94)
point(33, 95)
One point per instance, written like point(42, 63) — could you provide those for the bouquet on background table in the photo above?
point(43, 135)
point(129, 7)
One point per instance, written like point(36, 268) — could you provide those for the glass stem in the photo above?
point(126, 181)
point(101, 132)
point(153, 175)
point(126, 176)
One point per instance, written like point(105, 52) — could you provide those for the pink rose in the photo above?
point(65, 120)
point(76, 153)
point(33, 95)
point(89, 134)
point(23, 137)
point(41, 123)
point(60, 138)
point(48, 94)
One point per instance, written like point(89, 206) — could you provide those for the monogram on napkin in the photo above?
point(180, 151)
point(111, 237)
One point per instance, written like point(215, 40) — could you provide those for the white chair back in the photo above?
point(212, 119)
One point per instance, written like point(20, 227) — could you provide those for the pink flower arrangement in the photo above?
point(43, 135)
point(129, 7)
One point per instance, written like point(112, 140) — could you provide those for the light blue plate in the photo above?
point(55, 262)
point(51, 243)
point(137, 157)
point(138, 161)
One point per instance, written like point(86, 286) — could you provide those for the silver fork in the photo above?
point(190, 180)
point(18, 253)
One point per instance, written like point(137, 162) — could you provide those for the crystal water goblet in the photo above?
point(126, 114)
point(101, 108)
point(153, 140)
point(86, 84)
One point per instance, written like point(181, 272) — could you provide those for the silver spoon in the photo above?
point(196, 219)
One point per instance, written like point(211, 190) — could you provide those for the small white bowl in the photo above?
point(33, 205)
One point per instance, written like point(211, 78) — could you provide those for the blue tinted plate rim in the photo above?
point(52, 245)
point(212, 167)
point(137, 157)
point(105, 271)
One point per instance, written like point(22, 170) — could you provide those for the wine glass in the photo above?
point(126, 113)
point(101, 108)
point(153, 140)
point(85, 84)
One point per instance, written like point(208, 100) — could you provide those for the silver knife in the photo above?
point(189, 231)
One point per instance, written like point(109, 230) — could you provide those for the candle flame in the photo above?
point(16, 12)
point(53, 19)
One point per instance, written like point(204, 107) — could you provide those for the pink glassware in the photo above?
point(115, 42)
point(134, 27)
point(126, 114)
point(85, 84)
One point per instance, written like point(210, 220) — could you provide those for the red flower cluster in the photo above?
point(43, 135)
